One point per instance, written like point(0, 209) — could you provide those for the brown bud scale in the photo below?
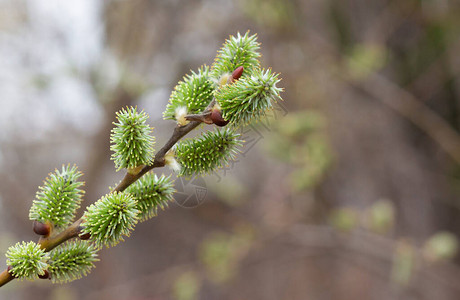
point(84, 236)
point(46, 275)
point(217, 119)
point(41, 228)
point(237, 73)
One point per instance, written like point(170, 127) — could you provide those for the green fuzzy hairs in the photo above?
point(26, 260)
point(131, 140)
point(194, 93)
point(249, 98)
point(211, 151)
point(110, 218)
point(59, 198)
point(237, 51)
point(151, 193)
point(71, 261)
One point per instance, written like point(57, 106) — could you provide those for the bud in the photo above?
point(41, 228)
point(237, 73)
point(216, 117)
point(84, 236)
point(9, 268)
point(45, 275)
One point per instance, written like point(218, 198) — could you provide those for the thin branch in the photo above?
point(204, 117)
point(5, 277)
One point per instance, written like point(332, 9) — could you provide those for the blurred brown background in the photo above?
point(350, 190)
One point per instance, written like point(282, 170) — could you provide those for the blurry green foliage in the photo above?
point(221, 252)
point(365, 59)
point(300, 140)
point(268, 13)
point(380, 217)
point(340, 23)
point(403, 263)
point(187, 286)
point(441, 246)
point(344, 219)
point(232, 193)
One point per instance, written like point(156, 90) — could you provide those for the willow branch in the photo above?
point(49, 243)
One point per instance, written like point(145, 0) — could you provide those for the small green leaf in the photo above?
point(110, 218)
point(59, 198)
point(151, 193)
point(27, 260)
point(211, 151)
point(131, 139)
point(71, 261)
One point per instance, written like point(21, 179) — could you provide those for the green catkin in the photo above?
point(131, 140)
point(209, 152)
point(59, 198)
point(194, 92)
point(249, 98)
point(71, 261)
point(237, 51)
point(151, 192)
point(110, 218)
point(26, 260)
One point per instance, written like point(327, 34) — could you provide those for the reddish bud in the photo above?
point(8, 269)
point(237, 73)
point(45, 275)
point(217, 119)
point(84, 236)
point(41, 228)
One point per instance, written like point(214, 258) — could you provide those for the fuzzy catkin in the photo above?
point(131, 139)
point(151, 192)
point(207, 153)
point(110, 218)
point(58, 198)
point(237, 51)
point(192, 94)
point(71, 261)
point(26, 260)
point(249, 98)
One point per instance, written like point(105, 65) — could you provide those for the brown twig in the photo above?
point(204, 117)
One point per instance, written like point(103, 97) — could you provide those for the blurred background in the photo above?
point(349, 190)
